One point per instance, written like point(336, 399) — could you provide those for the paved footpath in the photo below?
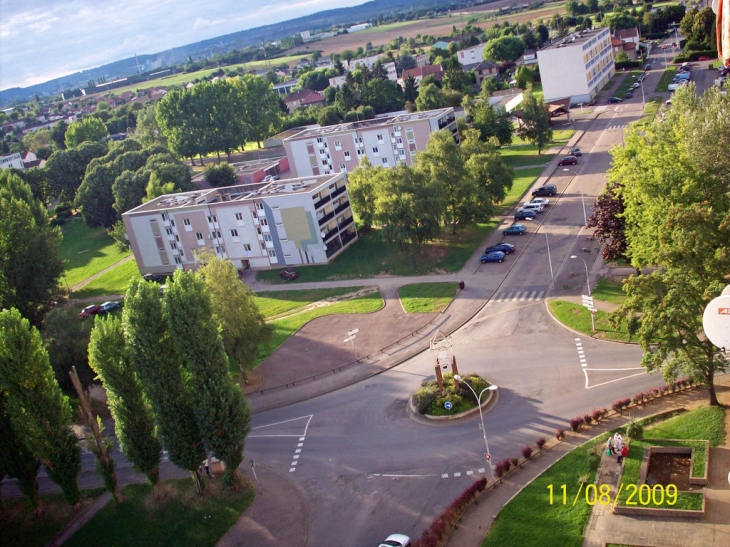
point(603, 526)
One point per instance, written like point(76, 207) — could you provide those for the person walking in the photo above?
point(624, 452)
point(609, 447)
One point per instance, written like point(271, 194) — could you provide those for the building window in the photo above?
point(234, 233)
point(267, 237)
point(259, 206)
point(319, 140)
point(385, 161)
point(212, 219)
point(199, 236)
point(343, 167)
point(324, 162)
point(177, 238)
point(172, 223)
point(375, 151)
point(359, 152)
point(173, 245)
point(264, 222)
point(338, 145)
point(216, 234)
point(410, 135)
point(272, 253)
point(178, 260)
point(247, 247)
point(263, 246)
point(164, 217)
point(347, 155)
point(239, 216)
point(380, 139)
point(186, 222)
point(168, 231)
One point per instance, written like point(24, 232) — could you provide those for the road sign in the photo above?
point(488, 456)
point(448, 405)
point(353, 331)
point(349, 339)
point(587, 300)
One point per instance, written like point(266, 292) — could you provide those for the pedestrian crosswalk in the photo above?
point(616, 127)
point(511, 295)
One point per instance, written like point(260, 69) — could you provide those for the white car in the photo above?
point(532, 206)
point(676, 85)
point(541, 201)
point(396, 540)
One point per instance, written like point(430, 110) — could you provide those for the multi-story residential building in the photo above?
point(384, 140)
point(288, 222)
point(470, 55)
point(12, 160)
point(577, 66)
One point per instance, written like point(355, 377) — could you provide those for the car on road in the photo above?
point(515, 229)
point(289, 274)
point(396, 540)
point(576, 105)
point(635, 85)
point(106, 307)
point(568, 160)
point(506, 248)
point(537, 207)
point(493, 256)
point(676, 85)
point(614, 100)
point(159, 278)
point(542, 201)
point(89, 310)
point(647, 67)
point(546, 190)
point(703, 58)
point(522, 215)
point(575, 151)
point(629, 94)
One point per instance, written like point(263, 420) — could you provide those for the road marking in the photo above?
point(581, 353)
point(470, 472)
point(301, 434)
point(482, 470)
point(457, 474)
point(528, 295)
point(444, 475)
point(609, 381)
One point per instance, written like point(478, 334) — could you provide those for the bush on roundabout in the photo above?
point(428, 401)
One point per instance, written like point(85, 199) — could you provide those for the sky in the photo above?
point(44, 39)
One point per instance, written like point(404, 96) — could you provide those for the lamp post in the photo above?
point(547, 244)
point(481, 417)
point(582, 197)
point(588, 284)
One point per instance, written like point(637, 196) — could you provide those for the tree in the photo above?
point(430, 97)
point(505, 48)
point(608, 223)
point(38, 411)
point(66, 168)
point(410, 90)
point(30, 258)
point(118, 232)
point(147, 131)
point(535, 126)
point(66, 340)
point(16, 460)
point(383, 95)
point(345, 99)
point(524, 76)
point(96, 198)
point(491, 122)
point(90, 129)
point(152, 352)
point(243, 328)
point(220, 175)
point(328, 115)
point(58, 135)
point(677, 214)
point(222, 413)
point(156, 189)
point(362, 192)
point(132, 413)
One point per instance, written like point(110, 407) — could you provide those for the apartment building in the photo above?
point(577, 66)
point(260, 226)
point(386, 141)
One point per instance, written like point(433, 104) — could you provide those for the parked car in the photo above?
point(515, 229)
point(635, 85)
point(647, 67)
point(158, 278)
point(494, 256)
point(576, 105)
point(568, 160)
point(289, 274)
point(542, 201)
point(522, 215)
point(629, 94)
point(703, 58)
point(614, 100)
point(537, 207)
point(109, 306)
point(546, 190)
point(92, 309)
point(396, 540)
point(676, 85)
point(506, 248)
point(575, 151)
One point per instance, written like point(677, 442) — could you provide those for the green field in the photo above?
point(577, 317)
point(427, 297)
point(665, 80)
point(113, 282)
point(524, 178)
point(87, 251)
point(274, 303)
point(608, 290)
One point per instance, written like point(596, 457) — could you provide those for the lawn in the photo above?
point(705, 423)
point(530, 519)
point(427, 297)
point(665, 80)
point(608, 290)
point(182, 518)
point(86, 250)
point(652, 107)
point(521, 153)
point(625, 85)
point(578, 318)
point(276, 303)
point(371, 256)
point(113, 282)
point(20, 528)
point(524, 178)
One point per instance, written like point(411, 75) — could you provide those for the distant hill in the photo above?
point(252, 37)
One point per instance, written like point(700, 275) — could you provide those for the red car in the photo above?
point(289, 274)
point(703, 58)
point(568, 160)
point(93, 309)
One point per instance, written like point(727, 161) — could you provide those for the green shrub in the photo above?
point(634, 429)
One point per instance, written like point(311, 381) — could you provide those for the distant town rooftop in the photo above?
point(576, 38)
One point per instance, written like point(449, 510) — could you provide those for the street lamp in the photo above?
point(481, 417)
point(588, 284)
point(582, 197)
point(547, 244)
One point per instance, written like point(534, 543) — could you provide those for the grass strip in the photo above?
point(182, 517)
point(524, 178)
point(578, 318)
point(276, 303)
point(665, 80)
point(608, 290)
point(113, 282)
point(87, 251)
point(427, 297)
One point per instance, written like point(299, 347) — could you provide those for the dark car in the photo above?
point(515, 229)
point(575, 151)
point(289, 274)
point(106, 307)
point(568, 160)
point(629, 94)
point(158, 278)
point(547, 190)
point(506, 248)
point(494, 256)
point(92, 309)
point(576, 105)
point(614, 100)
point(647, 67)
point(522, 215)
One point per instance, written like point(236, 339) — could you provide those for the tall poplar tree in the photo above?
point(135, 423)
point(535, 126)
point(152, 352)
point(38, 410)
point(222, 412)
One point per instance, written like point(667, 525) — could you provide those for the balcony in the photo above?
point(341, 207)
point(326, 217)
point(338, 191)
point(333, 248)
point(346, 222)
point(329, 235)
point(445, 121)
point(346, 237)
point(322, 202)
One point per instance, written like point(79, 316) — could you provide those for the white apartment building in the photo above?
point(386, 141)
point(471, 55)
point(12, 160)
point(370, 62)
point(261, 226)
point(577, 66)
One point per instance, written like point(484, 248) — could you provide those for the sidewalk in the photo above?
point(604, 527)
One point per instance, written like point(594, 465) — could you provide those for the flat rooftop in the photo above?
point(575, 39)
